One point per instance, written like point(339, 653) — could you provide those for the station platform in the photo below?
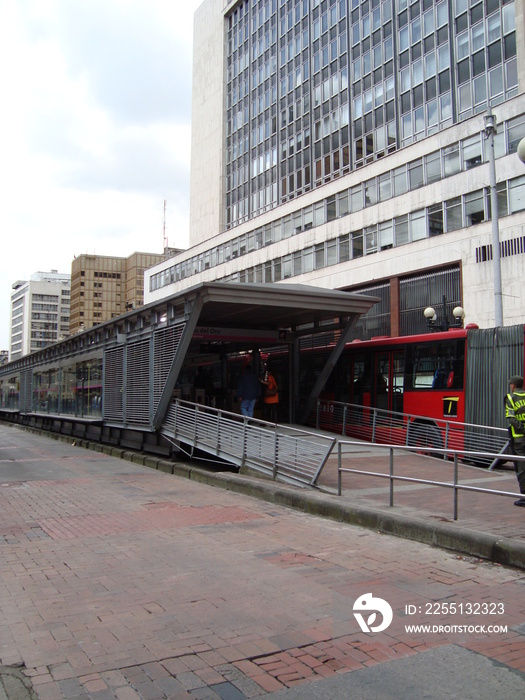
point(121, 580)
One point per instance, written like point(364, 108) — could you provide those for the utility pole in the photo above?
point(165, 241)
point(490, 130)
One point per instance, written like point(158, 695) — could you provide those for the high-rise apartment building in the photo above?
point(39, 312)
point(348, 143)
point(103, 287)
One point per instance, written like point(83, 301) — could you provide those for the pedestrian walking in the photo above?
point(248, 391)
point(270, 396)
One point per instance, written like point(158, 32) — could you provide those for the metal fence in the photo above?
point(455, 485)
point(387, 427)
point(279, 451)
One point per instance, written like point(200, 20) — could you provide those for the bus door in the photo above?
point(388, 380)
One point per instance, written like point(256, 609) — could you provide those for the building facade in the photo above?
point(39, 312)
point(103, 287)
point(344, 143)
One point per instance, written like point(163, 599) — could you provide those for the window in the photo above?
point(451, 154)
point(471, 152)
point(453, 214)
point(517, 194)
point(474, 207)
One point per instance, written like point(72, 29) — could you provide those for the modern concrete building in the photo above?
point(347, 144)
point(103, 287)
point(39, 312)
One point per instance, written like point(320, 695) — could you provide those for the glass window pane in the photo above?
point(357, 244)
point(401, 229)
point(517, 194)
point(474, 208)
point(453, 213)
point(418, 225)
point(386, 235)
point(471, 152)
point(385, 187)
point(433, 167)
point(400, 181)
point(415, 174)
point(451, 158)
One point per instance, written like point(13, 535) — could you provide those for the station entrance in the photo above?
point(120, 381)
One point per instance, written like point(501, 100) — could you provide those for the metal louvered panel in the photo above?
point(493, 356)
point(114, 384)
point(137, 383)
point(25, 390)
point(166, 343)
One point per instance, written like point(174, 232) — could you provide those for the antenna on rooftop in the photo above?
point(164, 228)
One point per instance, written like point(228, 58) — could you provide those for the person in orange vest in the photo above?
point(515, 415)
point(270, 396)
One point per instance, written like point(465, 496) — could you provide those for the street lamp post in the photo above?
point(490, 130)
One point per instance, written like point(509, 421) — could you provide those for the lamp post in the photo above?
point(432, 320)
point(490, 130)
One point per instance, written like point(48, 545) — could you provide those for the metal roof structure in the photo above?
point(272, 306)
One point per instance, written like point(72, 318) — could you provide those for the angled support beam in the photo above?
point(330, 364)
point(192, 313)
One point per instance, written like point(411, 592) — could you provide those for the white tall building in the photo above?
point(343, 143)
point(39, 312)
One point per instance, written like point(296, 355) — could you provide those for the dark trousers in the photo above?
point(518, 447)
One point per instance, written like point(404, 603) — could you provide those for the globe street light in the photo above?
point(521, 150)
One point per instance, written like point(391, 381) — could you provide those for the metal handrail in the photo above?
point(281, 452)
point(455, 485)
point(380, 426)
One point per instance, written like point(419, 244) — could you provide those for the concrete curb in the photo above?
point(500, 550)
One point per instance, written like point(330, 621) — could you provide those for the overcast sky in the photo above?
point(94, 132)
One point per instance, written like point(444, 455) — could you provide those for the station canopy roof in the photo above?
point(271, 306)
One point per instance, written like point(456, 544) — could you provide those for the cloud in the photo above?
point(94, 131)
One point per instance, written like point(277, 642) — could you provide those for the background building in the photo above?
point(342, 143)
point(103, 287)
point(39, 312)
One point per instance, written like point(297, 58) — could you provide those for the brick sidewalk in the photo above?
point(119, 581)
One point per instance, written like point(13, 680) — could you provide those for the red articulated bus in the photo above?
point(416, 389)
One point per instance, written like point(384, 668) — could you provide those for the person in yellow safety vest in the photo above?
point(515, 415)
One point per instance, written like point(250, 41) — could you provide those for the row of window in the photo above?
point(426, 170)
point(431, 93)
point(451, 215)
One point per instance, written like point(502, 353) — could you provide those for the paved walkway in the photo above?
point(120, 581)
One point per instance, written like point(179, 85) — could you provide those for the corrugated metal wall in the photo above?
point(137, 383)
point(134, 401)
point(113, 409)
point(493, 356)
point(166, 342)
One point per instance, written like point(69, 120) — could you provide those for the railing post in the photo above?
point(447, 424)
point(244, 429)
point(218, 440)
point(374, 425)
point(339, 477)
point(391, 477)
point(455, 485)
point(344, 418)
point(275, 456)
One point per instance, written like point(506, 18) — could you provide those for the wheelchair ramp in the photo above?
point(281, 452)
